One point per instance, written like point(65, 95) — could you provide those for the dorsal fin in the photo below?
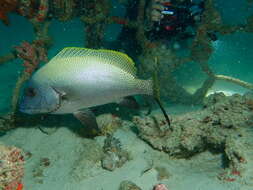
point(115, 58)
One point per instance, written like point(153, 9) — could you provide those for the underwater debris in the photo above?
point(114, 157)
point(128, 185)
point(218, 127)
point(11, 167)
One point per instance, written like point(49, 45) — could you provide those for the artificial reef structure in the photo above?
point(150, 55)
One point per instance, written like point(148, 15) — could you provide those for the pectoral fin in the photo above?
point(88, 118)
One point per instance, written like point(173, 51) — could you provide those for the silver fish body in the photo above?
point(82, 78)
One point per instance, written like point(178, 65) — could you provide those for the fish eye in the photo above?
point(30, 92)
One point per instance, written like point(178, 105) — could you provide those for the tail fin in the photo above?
point(156, 95)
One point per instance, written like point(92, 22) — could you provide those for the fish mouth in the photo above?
point(24, 109)
point(37, 111)
point(32, 110)
point(42, 104)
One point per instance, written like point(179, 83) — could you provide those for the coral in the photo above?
point(64, 9)
point(128, 185)
point(32, 54)
point(42, 11)
point(114, 157)
point(26, 8)
point(7, 6)
point(95, 19)
point(36, 12)
point(160, 187)
point(11, 167)
point(202, 49)
point(217, 127)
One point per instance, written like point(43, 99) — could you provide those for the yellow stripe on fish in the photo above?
point(118, 59)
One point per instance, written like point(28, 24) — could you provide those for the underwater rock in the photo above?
point(160, 187)
point(128, 185)
point(108, 123)
point(217, 127)
point(11, 167)
point(213, 99)
point(114, 157)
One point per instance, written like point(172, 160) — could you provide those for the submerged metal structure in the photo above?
point(95, 15)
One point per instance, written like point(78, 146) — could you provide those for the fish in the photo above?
point(77, 79)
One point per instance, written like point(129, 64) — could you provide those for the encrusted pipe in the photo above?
point(235, 80)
